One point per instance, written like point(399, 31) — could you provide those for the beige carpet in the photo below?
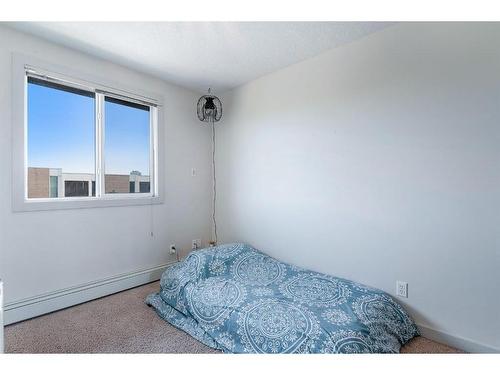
point(122, 323)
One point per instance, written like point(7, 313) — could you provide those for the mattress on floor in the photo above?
point(239, 300)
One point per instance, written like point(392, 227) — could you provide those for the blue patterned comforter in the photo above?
point(239, 300)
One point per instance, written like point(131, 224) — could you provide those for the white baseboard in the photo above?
point(467, 345)
point(45, 303)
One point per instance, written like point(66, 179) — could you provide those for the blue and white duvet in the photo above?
point(239, 300)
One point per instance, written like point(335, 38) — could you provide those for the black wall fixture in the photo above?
point(209, 108)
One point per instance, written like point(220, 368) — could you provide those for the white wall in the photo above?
point(45, 251)
point(378, 161)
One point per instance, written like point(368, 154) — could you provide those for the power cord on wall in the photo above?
point(214, 185)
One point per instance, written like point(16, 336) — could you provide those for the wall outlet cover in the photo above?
point(402, 289)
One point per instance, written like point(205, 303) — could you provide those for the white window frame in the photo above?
point(24, 66)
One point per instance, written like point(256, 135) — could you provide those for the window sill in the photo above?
point(79, 203)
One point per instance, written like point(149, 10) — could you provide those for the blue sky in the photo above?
point(61, 133)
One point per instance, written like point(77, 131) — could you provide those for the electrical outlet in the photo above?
point(173, 250)
point(196, 244)
point(402, 289)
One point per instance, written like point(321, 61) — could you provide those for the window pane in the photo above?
point(144, 187)
point(76, 188)
point(126, 146)
point(60, 139)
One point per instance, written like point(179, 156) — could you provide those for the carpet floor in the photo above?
point(122, 323)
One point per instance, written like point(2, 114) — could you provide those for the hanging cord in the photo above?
point(151, 218)
point(214, 183)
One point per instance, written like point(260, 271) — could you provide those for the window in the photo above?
point(61, 134)
point(144, 187)
point(54, 188)
point(127, 145)
point(76, 188)
point(83, 142)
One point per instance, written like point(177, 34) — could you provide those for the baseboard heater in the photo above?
point(31, 307)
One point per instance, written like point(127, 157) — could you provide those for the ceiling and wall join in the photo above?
point(198, 55)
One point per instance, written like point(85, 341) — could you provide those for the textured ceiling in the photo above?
point(197, 55)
